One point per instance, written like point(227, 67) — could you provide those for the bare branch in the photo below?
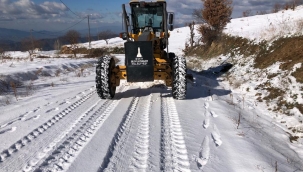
point(106, 35)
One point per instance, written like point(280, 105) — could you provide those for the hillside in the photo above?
point(266, 53)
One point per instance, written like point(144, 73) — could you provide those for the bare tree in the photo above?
point(2, 53)
point(29, 45)
point(286, 6)
point(295, 3)
point(106, 35)
point(277, 7)
point(57, 46)
point(262, 12)
point(3, 48)
point(72, 37)
point(247, 13)
point(215, 14)
point(191, 33)
point(197, 14)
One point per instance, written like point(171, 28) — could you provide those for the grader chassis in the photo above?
point(145, 56)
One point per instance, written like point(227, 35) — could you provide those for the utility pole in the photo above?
point(32, 39)
point(88, 31)
point(98, 33)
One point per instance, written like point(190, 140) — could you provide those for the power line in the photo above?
point(56, 33)
point(70, 26)
point(70, 9)
point(42, 33)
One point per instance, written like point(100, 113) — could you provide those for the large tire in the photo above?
point(104, 72)
point(179, 86)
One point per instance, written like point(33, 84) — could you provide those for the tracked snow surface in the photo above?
point(57, 122)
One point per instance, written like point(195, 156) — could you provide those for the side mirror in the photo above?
point(171, 18)
point(123, 35)
point(171, 27)
point(127, 20)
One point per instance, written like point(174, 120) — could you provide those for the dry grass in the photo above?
point(94, 52)
point(273, 93)
point(194, 64)
point(226, 45)
point(287, 50)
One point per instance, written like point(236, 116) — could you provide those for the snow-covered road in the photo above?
point(142, 129)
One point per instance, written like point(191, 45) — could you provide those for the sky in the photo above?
point(62, 15)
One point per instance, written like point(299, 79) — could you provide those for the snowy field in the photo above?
point(55, 121)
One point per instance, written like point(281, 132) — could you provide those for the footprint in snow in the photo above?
point(23, 117)
point(206, 122)
point(214, 114)
point(216, 136)
point(49, 103)
point(204, 153)
point(49, 110)
point(209, 98)
point(53, 109)
point(25, 114)
point(12, 129)
point(206, 105)
point(37, 110)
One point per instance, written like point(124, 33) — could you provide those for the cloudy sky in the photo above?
point(59, 15)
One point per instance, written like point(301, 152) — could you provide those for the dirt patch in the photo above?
point(289, 51)
point(298, 74)
point(273, 93)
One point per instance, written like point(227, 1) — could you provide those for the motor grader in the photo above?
point(146, 52)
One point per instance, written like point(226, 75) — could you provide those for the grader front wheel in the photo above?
point(105, 77)
point(179, 85)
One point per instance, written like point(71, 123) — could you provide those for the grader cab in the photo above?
point(146, 52)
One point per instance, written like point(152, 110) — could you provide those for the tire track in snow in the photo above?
point(35, 111)
point(67, 152)
point(173, 148)
point(29, 145)
point(130, 146)
point(80, 133)
point(140, 157)
point(30, 166)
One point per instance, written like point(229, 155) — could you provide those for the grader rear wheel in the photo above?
point(105, 78)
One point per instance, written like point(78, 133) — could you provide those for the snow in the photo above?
point(57, 122)
point(267, 27)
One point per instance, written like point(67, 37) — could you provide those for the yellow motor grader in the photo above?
point(146, 52)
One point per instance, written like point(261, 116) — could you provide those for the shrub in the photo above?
point(215, 14)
